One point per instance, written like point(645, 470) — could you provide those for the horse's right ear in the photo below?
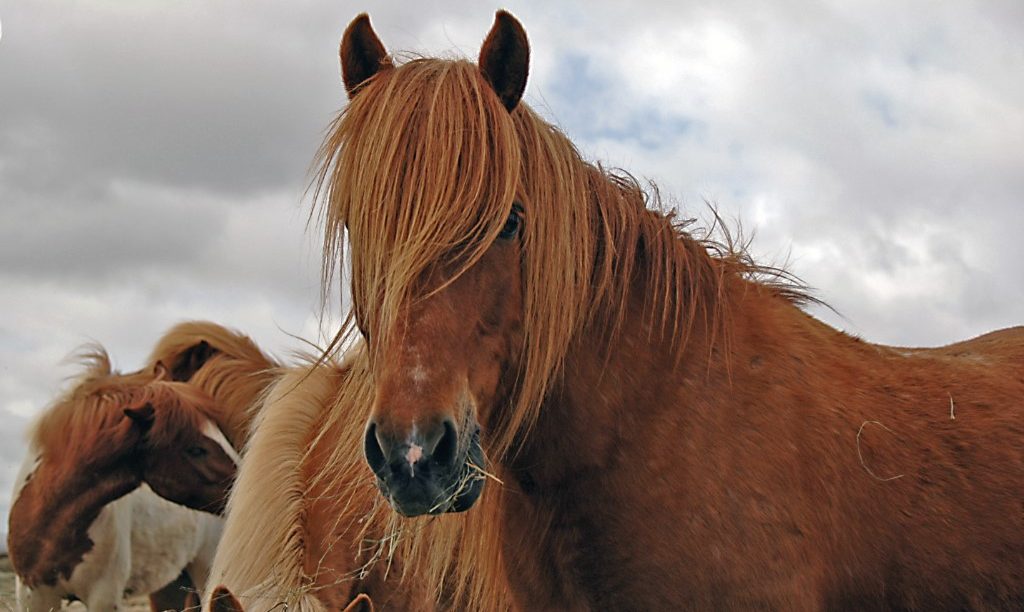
point(505, 58)
point(223, 601)
point(362, 54)
point(141, 415)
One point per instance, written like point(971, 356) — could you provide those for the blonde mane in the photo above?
point(271, 495)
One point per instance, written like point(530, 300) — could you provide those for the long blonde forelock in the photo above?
point(420, 169)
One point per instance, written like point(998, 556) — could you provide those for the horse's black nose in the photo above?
point(396, 454)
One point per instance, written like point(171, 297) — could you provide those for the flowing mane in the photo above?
point(224, 363)
point(99, 397)
point(94, 402)
point(427, 158)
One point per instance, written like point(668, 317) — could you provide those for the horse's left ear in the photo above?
point(362, 54)
point(223, 600)
point(505, 58)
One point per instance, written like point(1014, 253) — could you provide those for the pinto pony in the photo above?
point(673, 431)
point(84, 524)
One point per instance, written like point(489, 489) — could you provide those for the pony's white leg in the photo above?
point(44, 599)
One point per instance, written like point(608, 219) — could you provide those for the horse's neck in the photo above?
point(50, 519)
point(606, 389)
point(588, 463)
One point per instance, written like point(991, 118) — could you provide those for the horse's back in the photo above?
point(1002, 347)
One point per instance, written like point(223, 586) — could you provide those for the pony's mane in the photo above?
point(421, 169)
point(271, 495)
point(97, 401)
point(94, 401)
point(236, 374)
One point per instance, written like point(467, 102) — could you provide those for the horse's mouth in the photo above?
point(424, 491)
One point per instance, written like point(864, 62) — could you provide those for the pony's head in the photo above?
point(425, 179)
point(185, 456)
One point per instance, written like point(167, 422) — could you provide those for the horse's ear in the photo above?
point(222, 600)
point(505, 58)
point(362, 54)
point(190, 360)
point(159, 371)
point(141, 415)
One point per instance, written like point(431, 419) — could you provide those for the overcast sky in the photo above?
point(153, 155)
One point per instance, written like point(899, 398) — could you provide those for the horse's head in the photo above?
point(437, 255)
point(186, 457)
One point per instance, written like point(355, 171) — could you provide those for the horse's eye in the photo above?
point(513, 224)
point(195, 451)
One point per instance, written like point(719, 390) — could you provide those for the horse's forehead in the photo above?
point(210, 430)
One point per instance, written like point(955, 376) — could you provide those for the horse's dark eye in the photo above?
point(513, 224)
point(195, 451)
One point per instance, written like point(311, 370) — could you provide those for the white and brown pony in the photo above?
point(84, 523)
point(183, 446)
point(672, 430)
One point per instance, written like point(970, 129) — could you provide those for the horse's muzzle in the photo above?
point(428, 472)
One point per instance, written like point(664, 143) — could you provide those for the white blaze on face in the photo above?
point(210, 430)
point(418, 372)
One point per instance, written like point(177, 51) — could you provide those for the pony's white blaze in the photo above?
point(210, 430)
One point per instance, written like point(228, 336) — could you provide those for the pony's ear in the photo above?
point(505, 58)
point(159, 371)
point(223, 601)
point(141, 415)
point(190, 360)
point(362, 54)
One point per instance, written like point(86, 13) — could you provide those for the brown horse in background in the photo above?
point(173, 442)
point(673, 431)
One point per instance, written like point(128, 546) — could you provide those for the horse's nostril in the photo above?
point(447, 446)
point(375, 455)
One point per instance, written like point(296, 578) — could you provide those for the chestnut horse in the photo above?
point(672, 429)
point(85, 524)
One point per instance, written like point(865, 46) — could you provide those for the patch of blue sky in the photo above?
point(583, 100)
point(882, 107)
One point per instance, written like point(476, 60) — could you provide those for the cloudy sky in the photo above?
point(153, 155)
